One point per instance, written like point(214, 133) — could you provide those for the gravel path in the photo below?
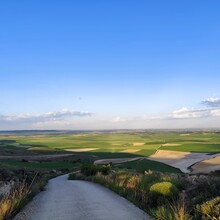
point(116, 160)
point(79, 200)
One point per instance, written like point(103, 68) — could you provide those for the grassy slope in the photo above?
point(145, 165)
point(13, 164)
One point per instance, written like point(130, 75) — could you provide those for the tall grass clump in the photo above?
point(180, 211)
point(13, 201)
point(210, 210)
point(168, 211)
point(163, 212)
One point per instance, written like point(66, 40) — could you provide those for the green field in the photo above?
point(108, 145)
point(13, 164)
point(146, 165)
point(194, 147)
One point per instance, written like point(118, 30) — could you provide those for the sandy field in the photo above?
point(139, 144)
point(180, 160)
point(81, 149)
point(116, 161)
point(207, 166)
point(182, 135)
point(130, 151)
point(80, 135)
point(171, 145)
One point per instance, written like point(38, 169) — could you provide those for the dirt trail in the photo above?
point(79, 200)
point(116, 160)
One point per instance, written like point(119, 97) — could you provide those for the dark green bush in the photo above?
point(105, 169)
point(89, 169)
point(204, 191)
point(92, 170)
point(72, 176)
point(76, 176)
point(180, 183)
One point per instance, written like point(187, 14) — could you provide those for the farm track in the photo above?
point(117, 160)
point(75, 200)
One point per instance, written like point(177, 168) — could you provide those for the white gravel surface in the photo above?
point(79, 200)
point(116, 160)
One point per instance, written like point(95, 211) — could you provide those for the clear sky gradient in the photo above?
point(109, 64)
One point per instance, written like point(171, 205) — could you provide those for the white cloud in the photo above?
point(211, 109)
point(50, 116)
point(206, 116)
point(185, 113)
point(212, 102)
point(120, 119)
point(215, 112)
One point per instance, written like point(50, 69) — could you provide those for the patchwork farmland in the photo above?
point(149, 147)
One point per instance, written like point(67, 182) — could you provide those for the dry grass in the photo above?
point(139, 143)
point(180, 211)
point(171, 145)
point(12, 201)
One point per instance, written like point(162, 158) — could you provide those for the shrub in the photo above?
point(204, 191)
point(72, 176)
point(165, 189)
point(148, 180)
point(92, 170)
point(76, 176)
point(105, 169)
point(89, 169)
point(180, 183)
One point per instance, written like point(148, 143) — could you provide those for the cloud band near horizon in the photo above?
point(209, 108)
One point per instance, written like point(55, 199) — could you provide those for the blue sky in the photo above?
point(109, 64)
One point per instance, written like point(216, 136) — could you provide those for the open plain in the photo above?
point(167, 150)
